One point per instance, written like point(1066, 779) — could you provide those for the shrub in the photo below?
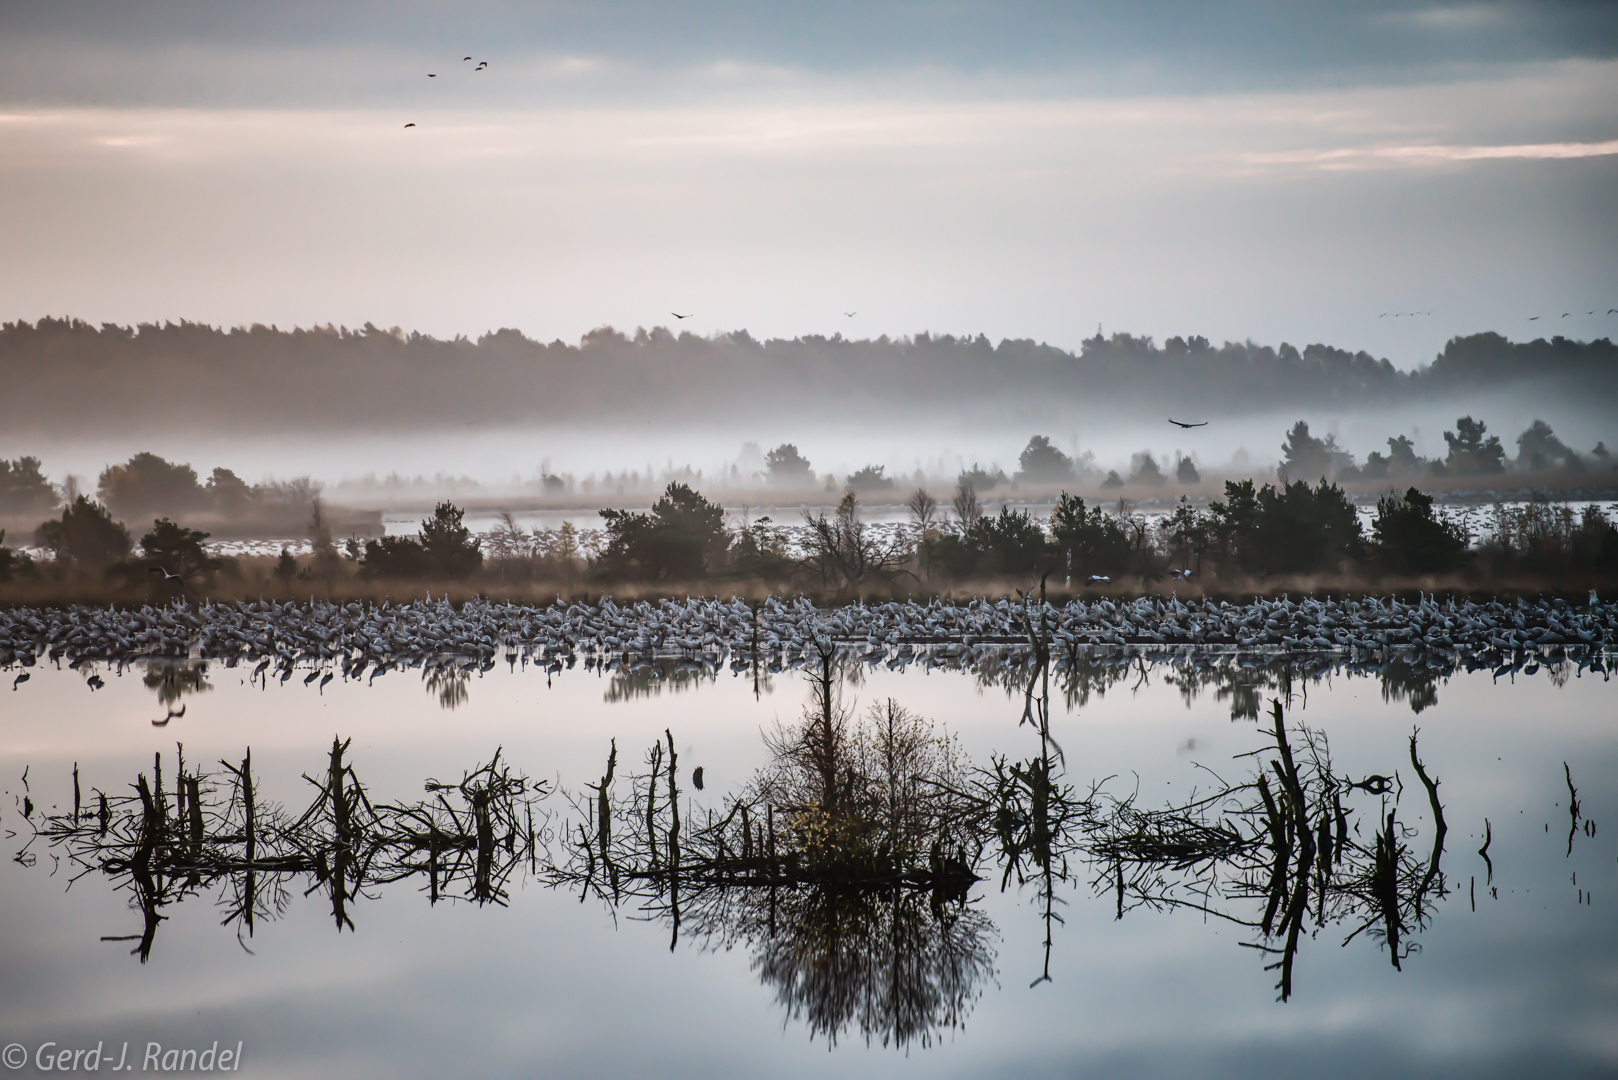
point(682, 536)
point(85, 534)
point(13, 563)
point(870, 479)
point(1470, 453)
point(1408, 538)
point(1088, 540)
point(1042, 463)
point(23, 488)
point(444, 548)
point(787, 466)
point(1143, 470)
point(175, 550)
point(146, 483)
point(1293, 529)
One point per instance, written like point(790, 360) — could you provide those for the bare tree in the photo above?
point(844, 553)
point(967, 510)
point(923, 507)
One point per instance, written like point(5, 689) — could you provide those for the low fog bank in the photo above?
point(556, 465)
point(259, 486)
point(69, 382)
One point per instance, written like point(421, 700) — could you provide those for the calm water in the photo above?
point(1520, 978)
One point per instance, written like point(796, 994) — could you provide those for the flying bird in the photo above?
point(465, 58)
point(18, 681)
point(677, 315)
point(166, 575)
point(1565, 314)
point(849, 314)
point(1611, 310)
point(1177, 423)
point(1095, 579)
point(696, 777)
point(430, 75)
point(1533, 318)
point(410, 125)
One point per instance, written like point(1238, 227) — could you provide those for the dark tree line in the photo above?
point(329, 378)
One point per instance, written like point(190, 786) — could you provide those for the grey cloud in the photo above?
point(193, 52)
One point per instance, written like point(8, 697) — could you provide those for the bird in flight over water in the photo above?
point(1177, 423)
point(677, 315)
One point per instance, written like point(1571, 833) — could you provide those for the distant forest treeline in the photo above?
point(64, 376)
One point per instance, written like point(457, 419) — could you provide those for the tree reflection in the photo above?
point(1283, 854)
point(173, 681)
point(846, 866)
point(215, 833)
point(893, 965)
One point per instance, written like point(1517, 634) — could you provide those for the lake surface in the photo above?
point(1508, 966)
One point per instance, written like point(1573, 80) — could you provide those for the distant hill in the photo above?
point(68, 378)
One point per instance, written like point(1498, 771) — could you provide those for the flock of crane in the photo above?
point(332, 639)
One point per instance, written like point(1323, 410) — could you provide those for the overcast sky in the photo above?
point(1275, 171)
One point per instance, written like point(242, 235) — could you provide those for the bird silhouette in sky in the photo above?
point(465, 58)
point(410, 125)
point(677, 315)
point(1533, 318)
point(849, 314)
point(1178, 423)
point(430, 75)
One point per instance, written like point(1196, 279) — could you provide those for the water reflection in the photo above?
point(852, 868)
point(215, 834)
point(1290, 843)
point(451, 684)
point(843, 866)
point(173, 681)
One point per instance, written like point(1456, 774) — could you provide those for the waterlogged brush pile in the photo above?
point(354, 636)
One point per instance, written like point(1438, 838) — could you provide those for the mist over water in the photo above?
point(902, 539)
